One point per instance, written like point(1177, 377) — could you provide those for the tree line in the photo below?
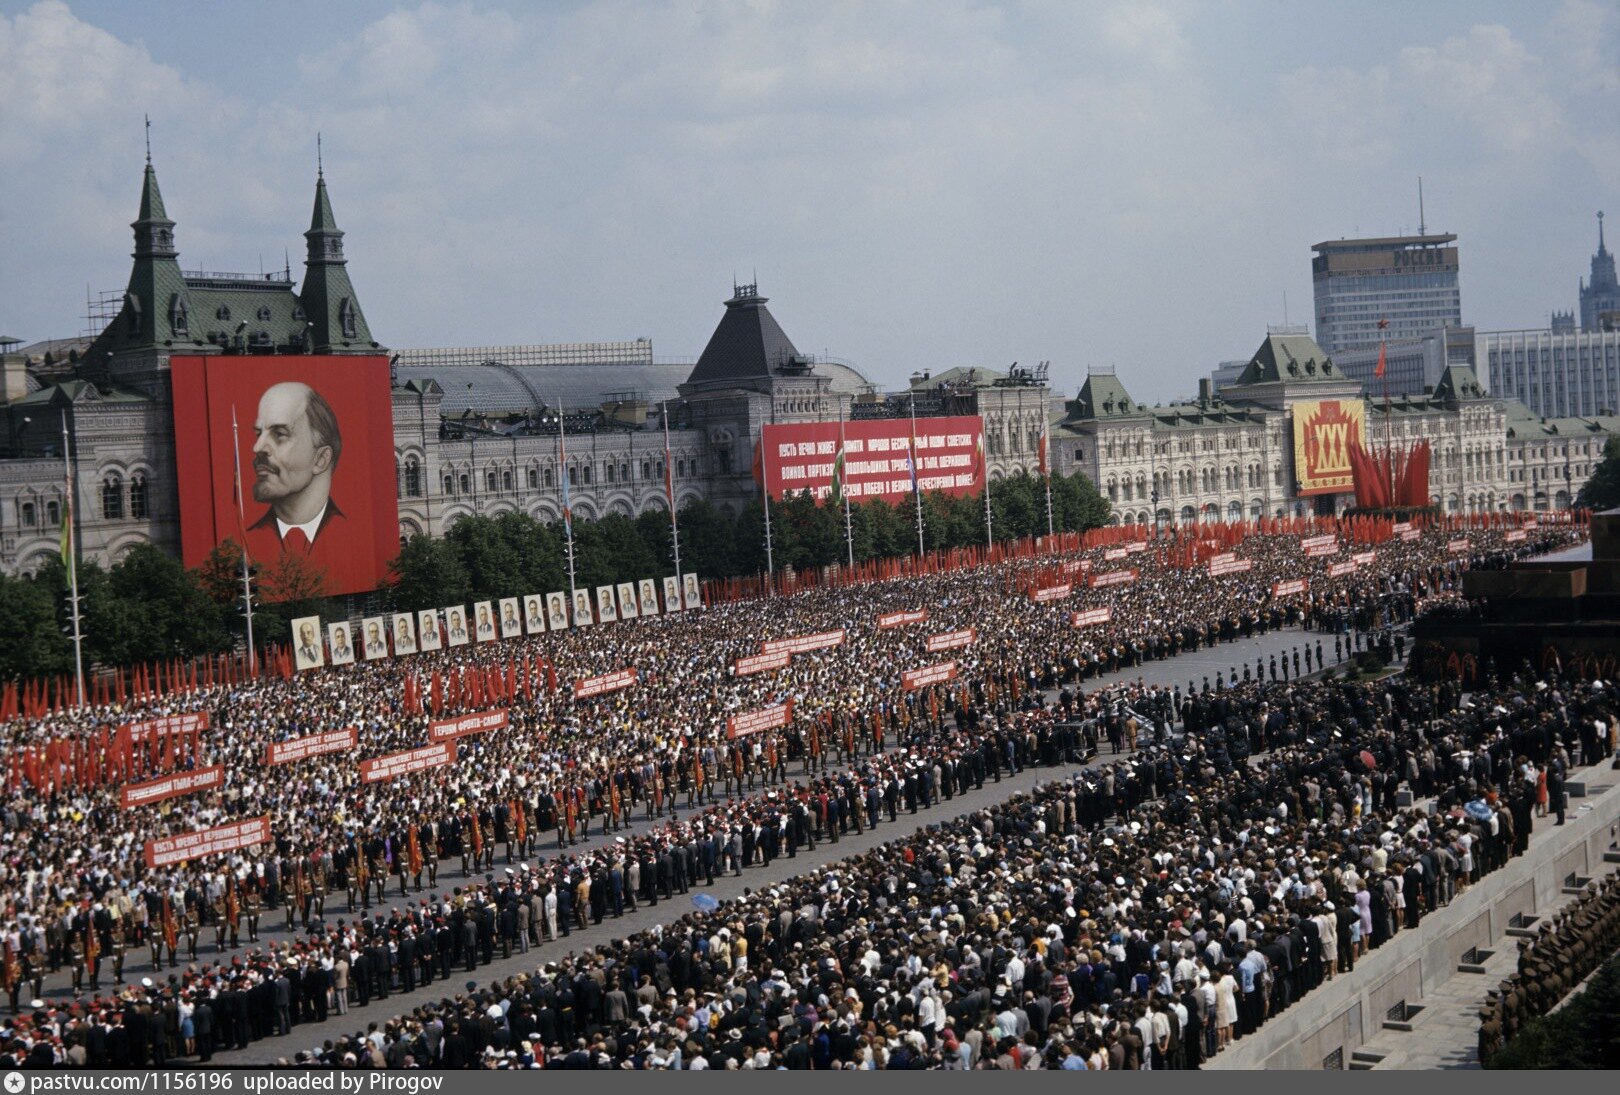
point(148, 606)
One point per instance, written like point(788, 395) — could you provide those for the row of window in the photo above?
point(540, 478)
point(112, 497)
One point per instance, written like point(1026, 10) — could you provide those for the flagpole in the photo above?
point(989, 535)
point(1046, 472)
point(849, 525)
point(562, 480)
point(765, 493)
point(70, 543)
point(916, 486)
point(247, 576)
point(669, 496)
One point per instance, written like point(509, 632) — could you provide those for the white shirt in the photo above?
point(309, 527)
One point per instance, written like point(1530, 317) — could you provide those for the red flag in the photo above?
point(1382, 362)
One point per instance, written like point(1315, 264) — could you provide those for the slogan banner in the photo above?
point(1091, 617)
point(1317, 551)
point(394, 765)
point(803, 644)
point(898, 619)
point(1135, 546)
point(169, 850)
point(1410, 535)
point(876, 458)
point(1458, 546)
point(181, 783)
point(311, 745)
point(913, 679)
point(1051, 593)
point(752, 722)
point(950, 640)
point(1364, 558)
point(761, 663)
point(167, 724)
point(1530, 524)
point(1114, 578)
point(1288, 588)
point(1114, 553)
point(1326, 540)
point(1339, 570)
point(1075, 566)
point(1517, 536)
point(1400, 526)
point(1325, 430)
point(474, 723)
point(1229, 565)
point(616, 681)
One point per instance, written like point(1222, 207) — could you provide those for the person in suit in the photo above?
point(559, 616)
point(309, 648)
point(376, 645)
point(509, 621)
point(535, 621)
point(458, 626)
point(295, 453)
point(427, 626)
point(341, 650)
point(486, 626)
point(404, 641)
point(582, 607)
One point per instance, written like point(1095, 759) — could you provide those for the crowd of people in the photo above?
point(80, 900)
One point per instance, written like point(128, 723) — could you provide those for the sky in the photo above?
point(914, 185)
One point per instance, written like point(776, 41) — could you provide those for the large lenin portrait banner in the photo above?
point(875, 461)
point(315, 438)
point(1325, 430)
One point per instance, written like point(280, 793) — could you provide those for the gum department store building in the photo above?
point(475, 429)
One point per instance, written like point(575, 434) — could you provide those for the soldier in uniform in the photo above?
point(252, 907)
point(318, 867)
point(76, 954)
point(116, 945)
point(220, 919)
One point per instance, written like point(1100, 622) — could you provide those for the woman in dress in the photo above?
point(1226, 1009)
point(1364, 918)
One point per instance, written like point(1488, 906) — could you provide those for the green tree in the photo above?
point(428, 573)
point(1077, 505)
point(32, 642)
point(170, 612)
point(494, 563)
point(707, 540)
point(1602, 490)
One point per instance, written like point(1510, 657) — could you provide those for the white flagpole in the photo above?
point(916, 484)
point(1046, 459)
point(562, 481)
point(247, 574)
point(849, 525)
point(669, 496)
point(73, 565)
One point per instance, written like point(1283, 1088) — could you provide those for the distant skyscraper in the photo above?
point(1409, 280)
point(1600, 293)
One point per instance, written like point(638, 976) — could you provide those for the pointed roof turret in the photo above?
point(336, 324)
point(748, 343)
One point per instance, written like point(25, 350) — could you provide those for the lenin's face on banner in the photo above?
point(297, 449)
point(312, 439)
point(306, 635)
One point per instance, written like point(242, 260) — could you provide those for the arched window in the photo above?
point(506, 480)
point(179, 319)
point(466, 484)
point(624, 473)
point(137, 496)
point(646, 469)
point(413, 478)
point(586, 471)
point(549, 482)
point(112, 497)
point(489, 481)
point(347, 318)
point(534, 478)
point(53, 514)
point(449, 485)
point(609, 470)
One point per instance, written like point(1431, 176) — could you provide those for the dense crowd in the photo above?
point(79, 896)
